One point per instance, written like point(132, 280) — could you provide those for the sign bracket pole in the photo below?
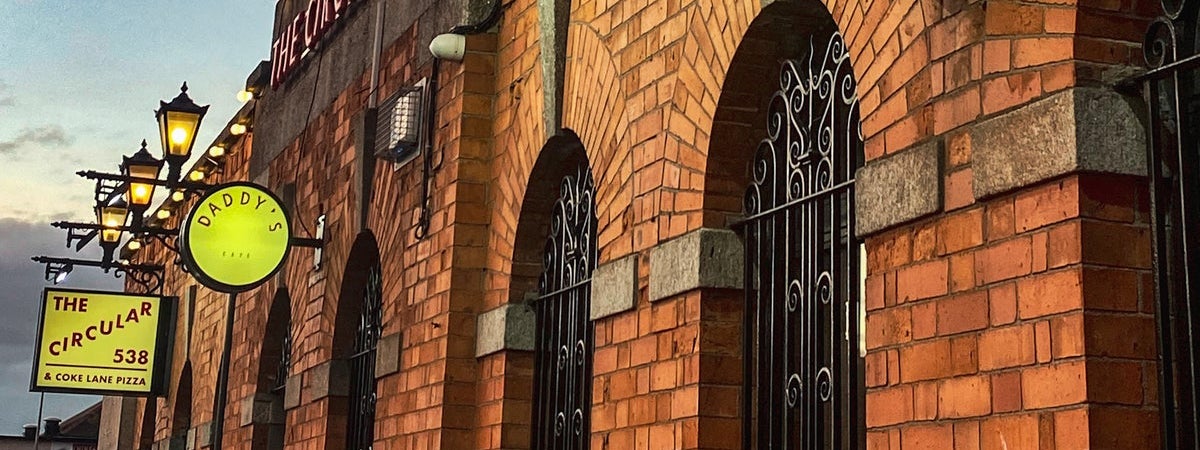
point(219, 403)
point(37, 432)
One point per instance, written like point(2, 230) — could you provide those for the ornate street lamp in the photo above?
point(178, 122)
point(111, 218)
point(142, 168)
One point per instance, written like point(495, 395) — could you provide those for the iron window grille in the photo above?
point(361, 426)
point(285, 361)
point(1171, 88)
point(803, 369)
point(399, 121)
point(564, 344)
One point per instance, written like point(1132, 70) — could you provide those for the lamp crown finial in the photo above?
point(184, 88)
point(143, 144)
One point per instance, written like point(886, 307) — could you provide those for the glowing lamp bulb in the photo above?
point(111, 223)
point(163, 214)
point(196, 176)
point(245, 96)
point(179, 136)
point(237, 129)
point(177, 196)
point(140, 191)
point(216, 151)
point(134, 246)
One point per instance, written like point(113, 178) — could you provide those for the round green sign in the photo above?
point(236, 237)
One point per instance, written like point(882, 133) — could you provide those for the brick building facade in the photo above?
point(997, 184)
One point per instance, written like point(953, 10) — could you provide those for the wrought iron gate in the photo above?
point(1171, 89)
point(361, 430)
point(563, 365)
point(803, 368)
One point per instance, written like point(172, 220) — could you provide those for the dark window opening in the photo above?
point(803, 367)
point(564, 345)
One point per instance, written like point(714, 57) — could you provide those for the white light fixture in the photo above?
point(163, 214)
point(216, 151)
point(178, 196)
point(237, 129)
point(245, 96)
point(63, 274)
point(448, 46)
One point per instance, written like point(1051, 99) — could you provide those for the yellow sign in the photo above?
point(236, 237)
point(102, 343)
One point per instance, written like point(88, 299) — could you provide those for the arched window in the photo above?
point(275, 362)
point(358, 324)
point(149, 424)
point(361, 431)
point(563, 360)
point(181, 413)
point(802, 366)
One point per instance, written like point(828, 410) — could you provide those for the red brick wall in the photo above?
point(1026, 319)
point(993, 318)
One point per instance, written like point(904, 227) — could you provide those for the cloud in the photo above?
point(6, 98)
point(20, 288)
point(44, 135)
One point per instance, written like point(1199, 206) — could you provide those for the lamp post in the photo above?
point(142, 169)
point(178, 122)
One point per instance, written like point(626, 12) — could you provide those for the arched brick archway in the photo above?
point(554, 255)
point(274, 366)
point(890, 46)
point(782, 31)
point(149, 424)
point(785, 147)
point(356, 332)
point(181, 411)
point(560, 157)
point(272, 352)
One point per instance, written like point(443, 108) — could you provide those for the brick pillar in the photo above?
point(1021, 322)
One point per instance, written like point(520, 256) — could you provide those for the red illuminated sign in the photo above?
point(306, 30)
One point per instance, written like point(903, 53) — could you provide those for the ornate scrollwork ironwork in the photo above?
point(825, 383)
point(570, 250)
point(167, 240)
point(150, 281)
point(562, 389)
point(801, 256)
point(148, 276)
point(285, 357)
point(807, 104)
